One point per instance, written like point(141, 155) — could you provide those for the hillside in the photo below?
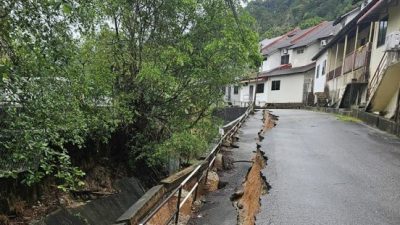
point(275, 17)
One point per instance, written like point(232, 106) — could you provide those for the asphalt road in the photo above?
point(326, 171)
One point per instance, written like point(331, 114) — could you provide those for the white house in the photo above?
point(286, 75)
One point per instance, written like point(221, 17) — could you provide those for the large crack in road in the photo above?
point(248, 200)
point(238, 200)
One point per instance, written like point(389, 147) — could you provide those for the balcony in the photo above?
point(357, 59)
point(334, 73)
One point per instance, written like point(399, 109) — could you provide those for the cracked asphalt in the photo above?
point(325, 171)
point(218, 209)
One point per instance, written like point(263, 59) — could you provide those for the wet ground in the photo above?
point(218, 209)
point(322, 171)
point(326, 171)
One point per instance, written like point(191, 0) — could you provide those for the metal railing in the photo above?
point(374, 83)
point(199, 173)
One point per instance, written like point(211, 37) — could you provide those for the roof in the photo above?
point(346, 29)
point(374, 12)
point(338, 20)
point(288, 71)
point(299, 38)
point(282, 41)
point(266, 42)
point(324, 30)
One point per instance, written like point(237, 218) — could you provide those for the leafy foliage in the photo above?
point(77, 70)
point(276, 17)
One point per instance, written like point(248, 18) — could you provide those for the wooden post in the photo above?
point(355, 51)
point(371, 28)
point(344, 52)
point(334, 72)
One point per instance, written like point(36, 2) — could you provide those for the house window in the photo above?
point(236, 90)
point(317, 72)
point(323, 68)
point(260, 88)
point(284, 59)
point(300, 51)
point(276, 85)
point(382, 31)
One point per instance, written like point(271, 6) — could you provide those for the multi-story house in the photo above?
point(345, 61)
point(286, 75)
point(362, 60)
point(384, 84)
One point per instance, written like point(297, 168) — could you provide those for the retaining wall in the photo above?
point(103, 211)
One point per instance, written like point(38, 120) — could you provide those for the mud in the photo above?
point(247, 201)
point(254, 187)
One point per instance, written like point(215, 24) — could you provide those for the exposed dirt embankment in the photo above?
point(248, 200)
point(254, 187)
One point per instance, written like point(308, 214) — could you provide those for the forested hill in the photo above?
point(275, 17)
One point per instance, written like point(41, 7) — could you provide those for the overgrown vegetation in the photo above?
point(276, 17)
point(145, 72)
point(348, 119)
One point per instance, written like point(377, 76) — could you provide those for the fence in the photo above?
point(199, 173)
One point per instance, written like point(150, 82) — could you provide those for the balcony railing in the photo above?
point(357, 59)
point(334, 73)
point(330, 75)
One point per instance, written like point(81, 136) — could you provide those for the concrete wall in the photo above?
point(273, 61)
point(320, 82)
point(393, 25)
point(229, 114)
point(291, 89)
point(385, 97)
point(103, 211)
point(261, 98)
point(392, 105)
point(306, 57)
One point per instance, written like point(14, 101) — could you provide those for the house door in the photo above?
point(251, 91)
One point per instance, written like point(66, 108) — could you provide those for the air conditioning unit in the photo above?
point(393, 41)
point(285, 51)
point(323, 43)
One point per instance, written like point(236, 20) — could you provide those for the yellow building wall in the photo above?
point(393, 25)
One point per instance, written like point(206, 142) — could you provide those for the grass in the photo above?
point(348, 119)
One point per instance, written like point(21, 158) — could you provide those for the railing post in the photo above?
point(177, 206)
point(197, 188)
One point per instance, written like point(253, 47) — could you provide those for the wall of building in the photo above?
point(233, 98)
point(244, 93)
point(261, 98)
point(392, 106)
point(393, 25)
point(306, 57)
point(291, 89)
point(319, 83)
point(273, 61)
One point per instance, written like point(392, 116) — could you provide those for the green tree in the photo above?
point(151, 70)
